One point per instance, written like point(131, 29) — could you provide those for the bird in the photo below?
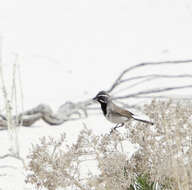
point(114, 113)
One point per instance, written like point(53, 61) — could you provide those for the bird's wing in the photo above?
point(121, 111)
point(125, 113)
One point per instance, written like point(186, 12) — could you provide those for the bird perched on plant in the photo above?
point(114, 113)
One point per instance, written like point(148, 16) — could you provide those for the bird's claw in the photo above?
point(117, 126)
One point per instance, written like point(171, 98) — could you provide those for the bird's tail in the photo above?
point(144, 121)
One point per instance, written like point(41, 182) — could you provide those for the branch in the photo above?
point(148, 78)
point(76, 182)
point(117, 81)
point(64, 113)
point(175, 97)
point(152, 91)
point(156, 76)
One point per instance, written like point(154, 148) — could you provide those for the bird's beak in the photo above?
point(95, 98)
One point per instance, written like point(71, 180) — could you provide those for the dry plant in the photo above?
point(54, 164)
point(10, 106)
point(163, 159)
point(165, 152)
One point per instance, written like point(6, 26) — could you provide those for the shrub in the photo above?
point(163, 160)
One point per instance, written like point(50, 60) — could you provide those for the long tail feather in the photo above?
point(144, 121)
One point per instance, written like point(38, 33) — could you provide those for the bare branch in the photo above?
point(64, 113)
point(151, 91)
point(76, 182)
point(156, 76)
point(117, 81)
point(148, 78)
point(175, 97)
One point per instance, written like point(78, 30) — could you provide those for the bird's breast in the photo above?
point(116, 118)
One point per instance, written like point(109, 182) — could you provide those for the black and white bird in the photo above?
point(114, 113)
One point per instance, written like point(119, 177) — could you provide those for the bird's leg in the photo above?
point(117, 126)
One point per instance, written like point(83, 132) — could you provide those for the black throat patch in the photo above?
point(104, 107)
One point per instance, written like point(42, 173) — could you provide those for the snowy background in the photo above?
point(71, 49)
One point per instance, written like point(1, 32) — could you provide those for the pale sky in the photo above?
point(78, 46)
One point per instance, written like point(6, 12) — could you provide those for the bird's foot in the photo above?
point(117, 126)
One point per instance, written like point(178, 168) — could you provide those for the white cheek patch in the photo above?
point(102, 101)
point(103, 95)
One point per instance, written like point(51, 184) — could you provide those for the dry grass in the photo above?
point(9, 106)
point(164, 155)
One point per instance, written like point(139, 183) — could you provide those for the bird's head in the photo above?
point(102, 97)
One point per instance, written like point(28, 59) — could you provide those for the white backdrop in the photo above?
point(71, 49)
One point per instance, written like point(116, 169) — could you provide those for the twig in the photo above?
point(151, 91)
point(157, 76)
point(73, 180)
point(148, 78)
point(117, 81)
point(175, 97)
